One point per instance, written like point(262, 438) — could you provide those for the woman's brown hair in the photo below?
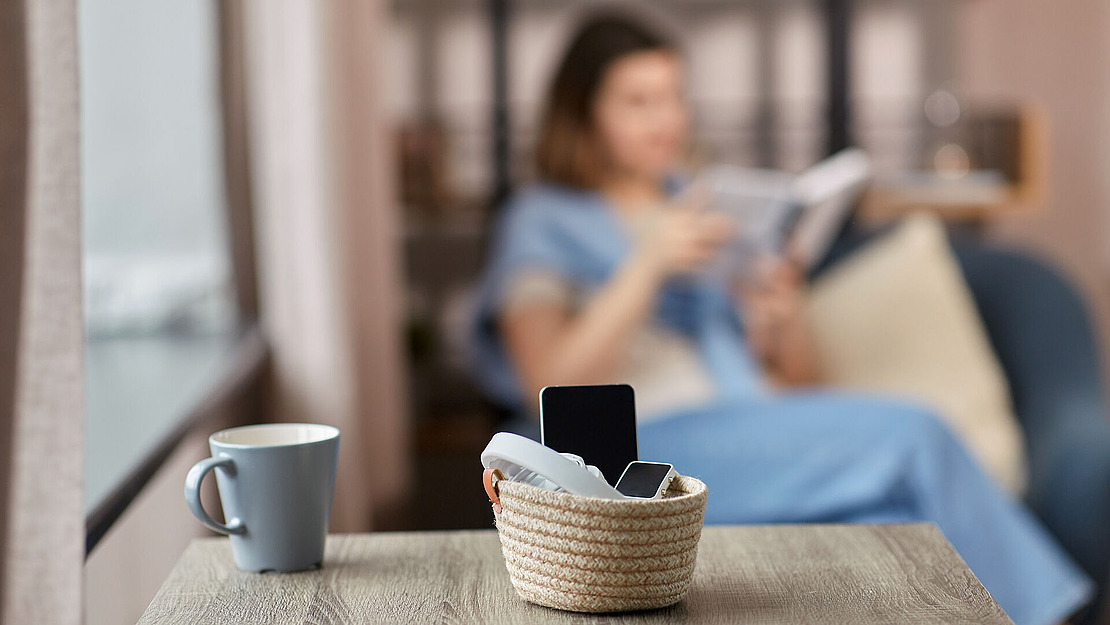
point(568, 151)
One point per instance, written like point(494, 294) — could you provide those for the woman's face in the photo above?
point(640, 114)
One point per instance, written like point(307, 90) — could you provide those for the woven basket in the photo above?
point(586, 554)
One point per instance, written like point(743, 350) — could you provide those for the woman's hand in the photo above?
point(771, 301)
point(681, 239)
point(777, 330)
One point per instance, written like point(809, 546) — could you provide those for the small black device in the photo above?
point(646, 480)
point(597, 422)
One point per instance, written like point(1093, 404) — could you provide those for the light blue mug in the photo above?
point(276, 483)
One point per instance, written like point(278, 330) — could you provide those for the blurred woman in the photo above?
point(598, 275)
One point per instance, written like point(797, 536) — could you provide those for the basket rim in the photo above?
point(698, 487)
point(694, 491)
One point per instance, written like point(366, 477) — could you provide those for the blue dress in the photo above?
point(817, 457)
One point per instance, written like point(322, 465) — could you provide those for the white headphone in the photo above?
point(522, 459)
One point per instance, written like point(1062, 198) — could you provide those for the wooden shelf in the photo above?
point(1024, 166)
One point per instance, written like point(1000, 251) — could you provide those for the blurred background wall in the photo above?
point(1059, 55)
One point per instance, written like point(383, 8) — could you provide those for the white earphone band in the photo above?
point(515, 455)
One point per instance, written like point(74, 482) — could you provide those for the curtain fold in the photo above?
point(42, 415)
point(328, 252)
point(364, 174)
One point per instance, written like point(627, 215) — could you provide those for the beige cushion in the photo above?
point(897, 318)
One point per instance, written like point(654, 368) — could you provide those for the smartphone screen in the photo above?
point(595, 422)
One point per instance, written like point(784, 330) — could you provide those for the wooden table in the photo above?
point(765, 574)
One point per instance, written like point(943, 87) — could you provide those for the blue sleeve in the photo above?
point(538, 229)
point(527, 237)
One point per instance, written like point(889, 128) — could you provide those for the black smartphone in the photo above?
point(597, 422)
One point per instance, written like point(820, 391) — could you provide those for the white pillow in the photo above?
point(898, 319)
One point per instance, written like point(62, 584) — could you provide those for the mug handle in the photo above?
point(192, 495)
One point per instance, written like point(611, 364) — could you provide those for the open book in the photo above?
point(786, 215)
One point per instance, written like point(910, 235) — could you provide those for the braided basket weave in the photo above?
point(586, 554)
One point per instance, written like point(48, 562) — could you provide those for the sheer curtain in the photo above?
point(329, 275)
point(41, 344)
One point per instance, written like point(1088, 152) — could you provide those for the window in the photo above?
point(159, 302)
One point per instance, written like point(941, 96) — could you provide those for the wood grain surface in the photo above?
point(760, 574)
